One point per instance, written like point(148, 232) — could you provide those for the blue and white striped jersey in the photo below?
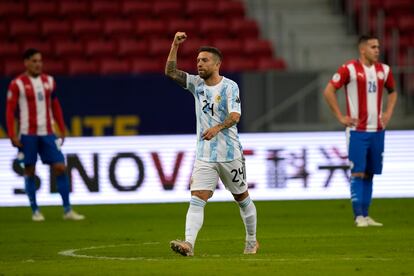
point(213, 105)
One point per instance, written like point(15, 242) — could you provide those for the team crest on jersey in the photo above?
point(218, 98)
point(380, 75)
point(336, 77)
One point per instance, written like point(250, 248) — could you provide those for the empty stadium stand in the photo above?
point(127, 36)
point(398, 16)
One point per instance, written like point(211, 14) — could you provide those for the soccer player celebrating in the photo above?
point(33, 93)
point(219, 152)
point(364, 80)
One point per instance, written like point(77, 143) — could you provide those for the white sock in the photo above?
point(249, 216)
point(194, 220)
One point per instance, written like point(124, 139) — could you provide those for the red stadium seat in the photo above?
point(70, 8)
point(214, 28)
point(13, 67)
point(136, 8)
point(44, 46)
point(117, 27)
point(374, 5)
point(238, 65)
point(391, 6)
point(54, 66)
point(68, 48)
point(102, 8)
point(4, 32)
point(265, 64)
point(9, 50)
point(159, 47)
point(114, 66)
point(150, 27)
point(82, 67)
point(257, 48)
point(187, 65)
point(132, 47)
point(406, 23)
point(229, 9)
point(99, 47)
point(180, 24)
point(242, 27)
point(389, 23)
point(190, 47)
point(147, 65)
point(201, 8)
point(86, 27)
point(163, 9)
point(229, 47)
point(12, 9)
point(41, 8)
point(55, 27)
point(23, 28)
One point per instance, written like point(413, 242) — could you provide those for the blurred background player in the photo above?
point(33, 93)
point(364, 80)
point(219, 152)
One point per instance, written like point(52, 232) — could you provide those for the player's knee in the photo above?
point(29, 170)
point(368, 176)
point(358, 175)
point(59, 169)
point(240, 197)
point(204, 195)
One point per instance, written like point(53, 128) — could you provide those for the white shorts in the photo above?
point(205, 176)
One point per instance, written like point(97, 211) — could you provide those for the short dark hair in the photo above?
point(365, 38)
point(28, 53)
point(212, 50)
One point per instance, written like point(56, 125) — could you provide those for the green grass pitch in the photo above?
point(296, 238)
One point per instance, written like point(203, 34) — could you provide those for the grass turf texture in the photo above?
point(296, 238)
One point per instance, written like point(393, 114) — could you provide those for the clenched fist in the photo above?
point(179, 37)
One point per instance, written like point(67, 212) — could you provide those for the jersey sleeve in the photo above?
point(390, 82)
point(233, 99)
point(341, 77)
point(191, 83)
point(11, 105)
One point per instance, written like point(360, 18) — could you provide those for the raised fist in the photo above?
point(179, 37)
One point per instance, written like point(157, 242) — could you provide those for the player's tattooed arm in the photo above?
point(233, 119)
point(210, 133)
point(175, 74)
point(171, 70)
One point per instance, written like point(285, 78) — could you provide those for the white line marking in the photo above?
point(74, 253)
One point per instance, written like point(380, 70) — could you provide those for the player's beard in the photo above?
point(205, 75)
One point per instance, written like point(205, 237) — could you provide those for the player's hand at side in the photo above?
point(348, 121)
point(385, 118)
point(179, 37)
point(62, 140)
point(16, 142)
point(210, 133)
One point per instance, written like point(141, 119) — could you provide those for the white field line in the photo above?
point(74, 253)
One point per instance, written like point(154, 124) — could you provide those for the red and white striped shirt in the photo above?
point(37, 104)
point(364, 88)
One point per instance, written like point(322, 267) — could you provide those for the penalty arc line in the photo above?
point(73, 253)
